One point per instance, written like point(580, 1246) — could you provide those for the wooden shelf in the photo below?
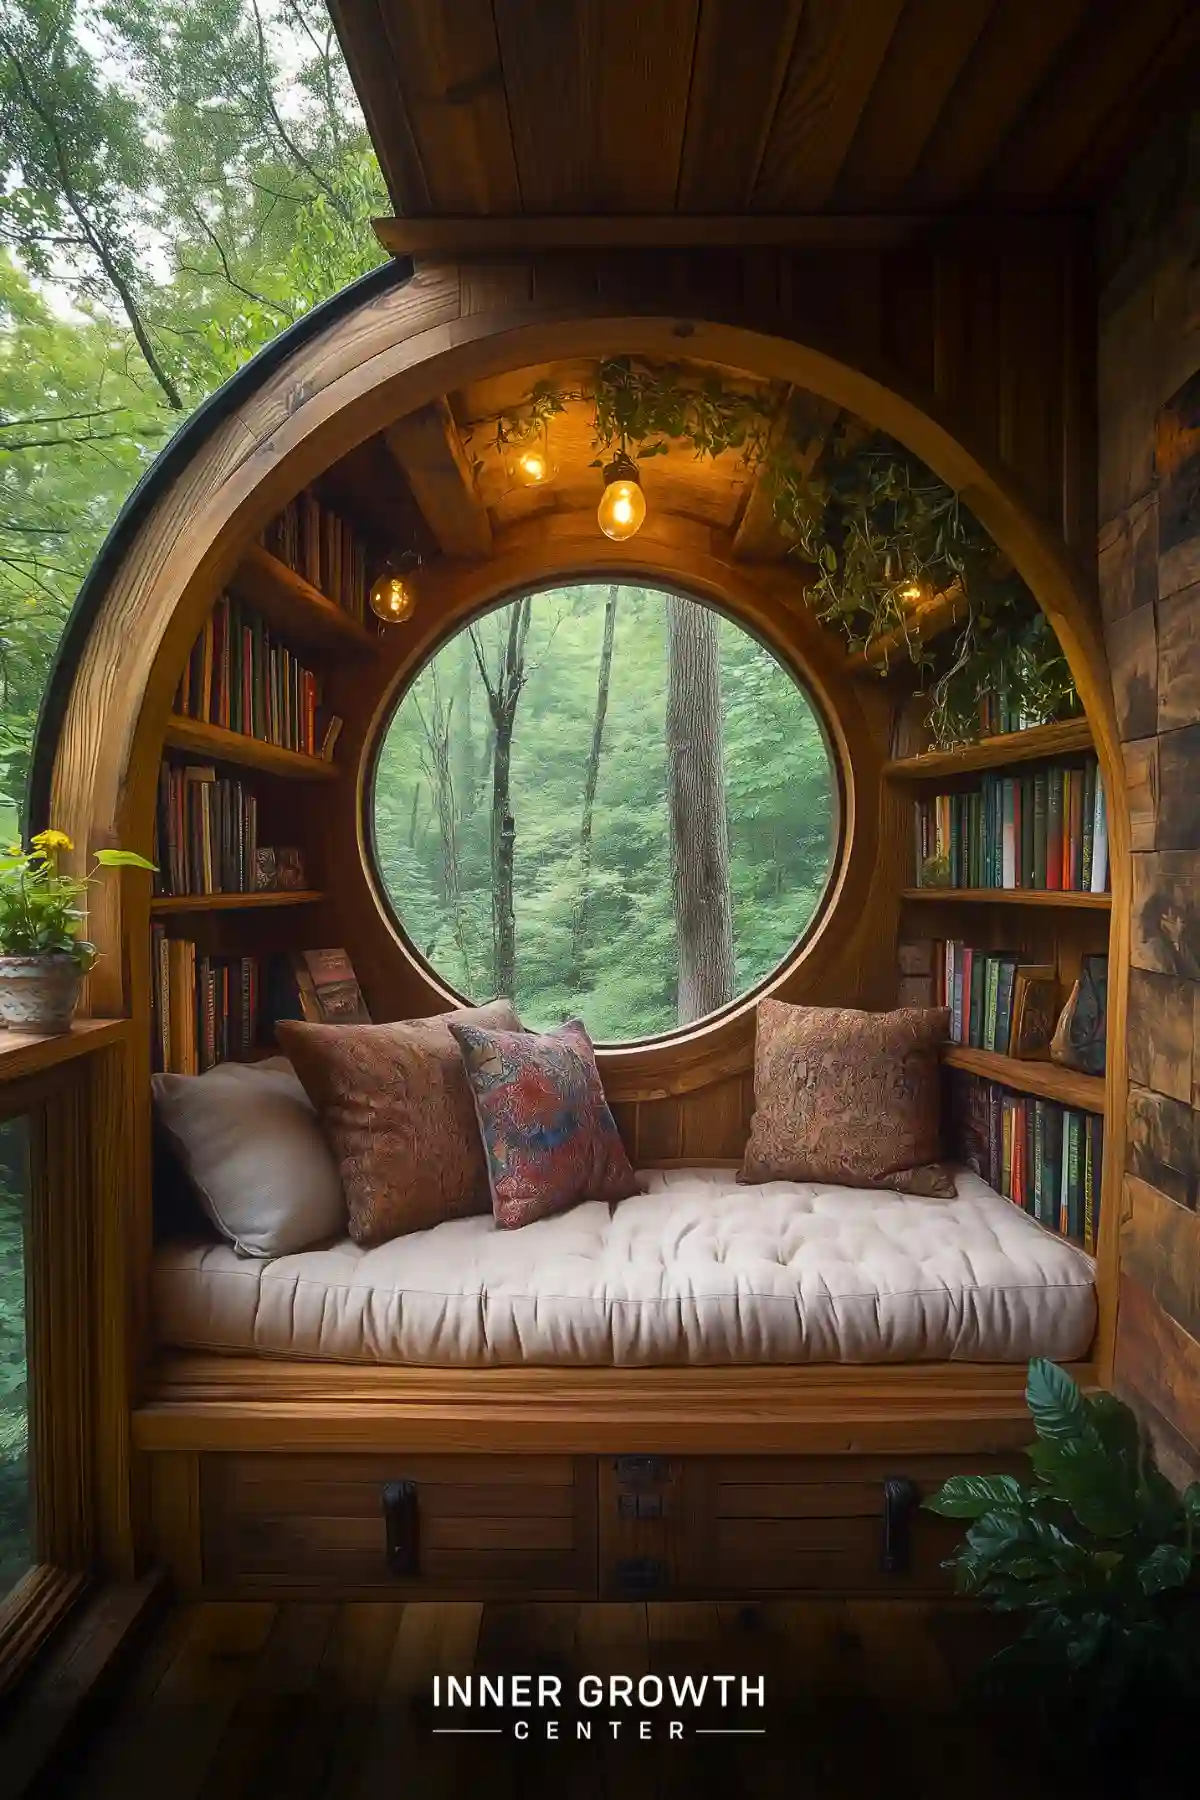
point(24, 1053)
point(296, 608)
point(1010, 897)
point(1048, 1079)
point(186, 903)
point(219, 745)
point(1039, 741)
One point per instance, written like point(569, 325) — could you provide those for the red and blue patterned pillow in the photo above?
point(549, 1138)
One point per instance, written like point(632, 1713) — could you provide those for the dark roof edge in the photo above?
point(196, 428)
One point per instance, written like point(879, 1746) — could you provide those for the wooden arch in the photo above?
point(400, 350)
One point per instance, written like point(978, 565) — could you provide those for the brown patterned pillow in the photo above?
point(851, 1098)
point(396, 1107)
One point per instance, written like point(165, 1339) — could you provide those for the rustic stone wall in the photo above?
point(1149, 417)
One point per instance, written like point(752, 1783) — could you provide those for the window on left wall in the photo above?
point(16, 1536)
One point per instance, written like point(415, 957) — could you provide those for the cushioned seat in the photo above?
point(696, 1270)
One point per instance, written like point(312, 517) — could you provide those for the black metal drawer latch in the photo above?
point(900, 1497)
point(400, 1523)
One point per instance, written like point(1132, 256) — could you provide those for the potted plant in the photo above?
point(43, 957)
point(1098, 1552)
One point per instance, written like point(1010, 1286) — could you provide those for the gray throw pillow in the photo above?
point(250, 1143)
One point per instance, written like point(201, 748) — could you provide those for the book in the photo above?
point(1039, 829)
point(1006, 973)
point(1054, 829)
point(1100, 842)
point(318, 986)
point(1034, 1011)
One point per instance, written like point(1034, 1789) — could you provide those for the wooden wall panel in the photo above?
point(1149, 568)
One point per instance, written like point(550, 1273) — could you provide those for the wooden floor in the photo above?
point(327, 1702)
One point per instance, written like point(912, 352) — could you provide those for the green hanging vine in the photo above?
point(877, 528)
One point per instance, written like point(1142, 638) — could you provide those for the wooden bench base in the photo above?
point(279, 1480)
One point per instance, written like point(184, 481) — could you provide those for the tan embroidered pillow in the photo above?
point(851, 1098)
point(396, 1108)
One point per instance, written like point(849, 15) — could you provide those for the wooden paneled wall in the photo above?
point(1150, 591)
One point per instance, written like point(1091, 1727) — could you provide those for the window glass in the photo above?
point(15, 1535)
point(608, 801)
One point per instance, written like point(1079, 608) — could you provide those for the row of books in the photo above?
point(205, 832)
point(211, 1009)
point(204, 1009)
point(996, 1001)
point(1046, 829)
point(1045, 1158)
point(1001, 711)
point(320, 546)
point(239, 675)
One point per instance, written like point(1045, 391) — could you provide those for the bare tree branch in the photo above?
point(95, 238)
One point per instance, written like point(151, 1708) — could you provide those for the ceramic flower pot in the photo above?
point(39, 993)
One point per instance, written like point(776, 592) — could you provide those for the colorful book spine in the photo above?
point(1045, 830)
point(1044, 1157)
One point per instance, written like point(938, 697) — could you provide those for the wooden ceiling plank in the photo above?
point(928, 52)
point(597, 93)
point(838, 50)
point(361, 29)
point(1086, 84)
point(1163, 88)
point(741, 63)
point(429, 450)
point(1011, 56)
point(447, 63)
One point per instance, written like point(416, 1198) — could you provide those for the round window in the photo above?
point(608, 801)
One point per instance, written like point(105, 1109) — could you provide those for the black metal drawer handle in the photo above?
point(900, 1496)
point(400, 1523)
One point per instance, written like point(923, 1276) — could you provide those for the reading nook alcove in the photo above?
point(230, 705)
point(662, 1018)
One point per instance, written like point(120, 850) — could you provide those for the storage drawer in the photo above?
point(744, 1526)
point(471, 1526)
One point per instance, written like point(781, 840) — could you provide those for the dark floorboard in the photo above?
point(318, 1701)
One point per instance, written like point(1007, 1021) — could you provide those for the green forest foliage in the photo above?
point(780, 796)
point(180, 180)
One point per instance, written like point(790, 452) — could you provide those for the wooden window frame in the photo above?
point(71, 1090)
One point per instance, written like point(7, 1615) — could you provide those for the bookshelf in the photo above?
point(1039, 897)
point(189, 903)
point(1047, 1079)
point(293, 606)
point(216, 744)
point(1039, 742)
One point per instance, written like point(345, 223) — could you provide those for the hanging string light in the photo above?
point(393, 594)
point(622, 509)
point(528, 459)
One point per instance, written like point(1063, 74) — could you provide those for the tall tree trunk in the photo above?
point(437, 766)
point(579, 933)
point(503, 687)
point(699, 823)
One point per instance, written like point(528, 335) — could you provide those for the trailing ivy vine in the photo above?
point(878, 529)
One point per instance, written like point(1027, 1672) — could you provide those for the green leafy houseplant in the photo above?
point(40, 911)
point(1098, 1550)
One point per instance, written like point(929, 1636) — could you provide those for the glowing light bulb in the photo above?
point(622, 509)
point(529, 462)
point(911, 592)
point(393, 598)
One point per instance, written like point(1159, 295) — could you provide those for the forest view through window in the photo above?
point(606, 801)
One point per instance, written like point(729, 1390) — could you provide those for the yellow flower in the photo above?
point(15, 850)
point(46, 841)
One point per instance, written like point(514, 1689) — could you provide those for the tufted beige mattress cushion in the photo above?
point(696, 1270)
